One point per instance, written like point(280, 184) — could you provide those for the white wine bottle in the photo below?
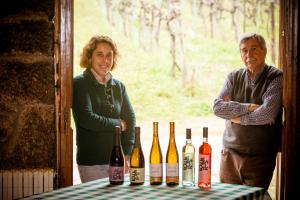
point(188, 161)
point(137, 161)
point(156, 159)
point(172, 160)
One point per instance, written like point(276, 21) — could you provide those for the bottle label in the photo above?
point(137, 175)
point(204, 168)
point(188, 166)
point(172, 169)
point(156, 170)
point(116, 173)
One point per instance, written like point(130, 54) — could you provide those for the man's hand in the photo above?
point(226, 98)
point(253, 107)
point(236, 120)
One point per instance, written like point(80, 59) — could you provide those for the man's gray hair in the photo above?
point(256, 36)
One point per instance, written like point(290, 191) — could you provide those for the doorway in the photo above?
point(129, 37)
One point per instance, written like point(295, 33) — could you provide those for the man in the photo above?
point(250, 101)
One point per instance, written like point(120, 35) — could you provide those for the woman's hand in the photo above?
point(123, 125)
point(127, 163)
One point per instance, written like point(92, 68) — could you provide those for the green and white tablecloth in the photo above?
point(101, 189)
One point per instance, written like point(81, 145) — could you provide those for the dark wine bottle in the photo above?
point(117, 161)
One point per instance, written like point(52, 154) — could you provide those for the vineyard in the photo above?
point(175, 53)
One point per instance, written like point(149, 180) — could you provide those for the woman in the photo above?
point(100, 103)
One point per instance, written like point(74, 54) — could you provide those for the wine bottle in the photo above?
point(137, 161)
point(172, 161)
point(156, 165)
point(188, 161)
point(117, 161)
point(204, 173)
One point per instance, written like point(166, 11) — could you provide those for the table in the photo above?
point(101, 189)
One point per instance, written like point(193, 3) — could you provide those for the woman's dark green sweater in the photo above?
point(97, 109)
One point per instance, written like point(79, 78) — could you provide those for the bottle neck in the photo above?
point(137, 140)
point(188, 136)
point(205, 135)
point(205, 140)
point(155, 130)
point(117, 136)
point(188, 141)
point(172, 131)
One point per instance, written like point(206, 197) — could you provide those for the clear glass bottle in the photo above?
point(117, 161)
point(137, 161)
point(172, 160)
point(156, 159)
point(188, 161)
point(204, 173)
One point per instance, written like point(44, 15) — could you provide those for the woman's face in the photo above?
point(102, 59)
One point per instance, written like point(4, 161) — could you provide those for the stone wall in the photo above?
point(27, 99)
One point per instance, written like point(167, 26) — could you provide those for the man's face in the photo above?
point(253, 54)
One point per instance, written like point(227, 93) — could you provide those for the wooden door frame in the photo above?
point(64, 76)
point(63, 54)
point(288, 61)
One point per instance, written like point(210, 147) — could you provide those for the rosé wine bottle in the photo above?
point(204, 171)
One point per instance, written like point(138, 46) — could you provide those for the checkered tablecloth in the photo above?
point(101, 189)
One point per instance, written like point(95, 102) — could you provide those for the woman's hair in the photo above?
point(256, 36)
point(85, 57)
